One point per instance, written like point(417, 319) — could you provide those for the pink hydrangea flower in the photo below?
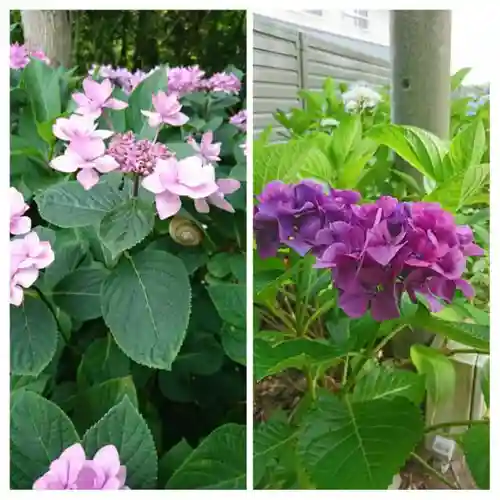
point(224, 82)
point(19, 223)
point(89, 158)
point(18, 56)
point(96, 96)
point(40, 54)
point(239, 120)
point(172, 179)
point(207, 151)
point(79, 128)
point(184, 79)
point(225, 186)
point(167, 110)
point(72, 471)
point(27, 256)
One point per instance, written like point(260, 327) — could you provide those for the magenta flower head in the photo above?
point(172, 179)
point(224, 82)
point(239, 120)
point(88, 158)
point(79, 128)
point(72, 471)
point(226, 186)
point(19, 223)
point(207, 150)
point(167, 110)
point(18, 56)
point(96, 97)
point(27, 256)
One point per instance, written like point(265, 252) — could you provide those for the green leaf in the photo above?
point(68, 205)
point(296, 353)
point(99, 399)
point(468, 146)
point(346, 445)
point(102, 361)
point(141, 99)
point(458, 77)
point(234, 343)
point(39, 433)
point(201, 354)
point(218, 463)
point(79, 293)
point(476, 445)
point(238, 266)
point(172, 460)
point(34, 384)
point(386, 383)
point(475, 179)
point(42, 84)
point(468, 334)
point(126, 225)
point(421, 149)
point(67, 257)
point(439, 373)
point(219, 264)
point(146, 304)
point(124, 427)
point(270, 438)
point(230, 302)
point(33, 337)
point(345, 137)
point(484, 375)
point(181, 149)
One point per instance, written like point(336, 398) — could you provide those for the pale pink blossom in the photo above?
point(18, 56)
point(224, 82)
point(88, 158)
point(27, 256)
point(239, 120)
point(19, 223)
point(40, 54)
point(184, 79)
point(207, 150)
point(72, 471)
point(167, 110)
point(225, 186)
point(79, 128)
point(174, 178)
point(96, 96)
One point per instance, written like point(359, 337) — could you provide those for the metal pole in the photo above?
point(420, 66)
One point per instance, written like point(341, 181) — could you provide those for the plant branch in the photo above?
point(457, 423)
point(322, 310)
point(433, 471)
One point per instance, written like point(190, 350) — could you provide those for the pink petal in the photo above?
point(26, 277)
point(220, 202)
point(153, 183)
point(81, 99)
point(88, 178)
point(58, 129)
point(167, 204)
point(20, 225)
point(154, 118)
point(103, 134)
point(108, 459)
point(68, 162)
point(105, 164)
point(202, 206)
point(228, 186)
point(87, 149)
point(16, 295)
point(177, 119)
point(115, 104)
point(206, 138)
point(97, 92)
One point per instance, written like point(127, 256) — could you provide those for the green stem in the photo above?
point(322, 310)
point(433, 471)
point(135, 191)
point(346, 370)
point(311, 385)
point(457, 423)
point(53, 310)
point(452, 352)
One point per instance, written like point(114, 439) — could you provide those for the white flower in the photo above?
point(360, 97)
point(329, 122)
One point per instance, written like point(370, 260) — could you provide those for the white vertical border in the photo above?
point(249, 330)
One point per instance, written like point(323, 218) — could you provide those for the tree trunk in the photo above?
point(50, 31)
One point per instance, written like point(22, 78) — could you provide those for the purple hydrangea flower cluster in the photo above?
point(138, 156)
point(181, 80)
point(376, 251)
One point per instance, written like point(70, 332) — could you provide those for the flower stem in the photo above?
point(319, 312)
point(457, 423)
point(433, 471)
point(135, 191)
point(311, 384)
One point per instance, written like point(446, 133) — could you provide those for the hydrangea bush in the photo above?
point(127, 277)
point(352, 256)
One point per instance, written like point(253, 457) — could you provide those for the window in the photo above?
point(358, 18)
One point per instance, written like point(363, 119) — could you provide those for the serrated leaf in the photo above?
point(218, 463)
point(475, 180)
point(33, 337)
point(124, 427)
point(79, 293)
point(386, 383)
point(234, 343)
point(146, 303)
point(201, 354)
point(439, 373)
point(66, 259)
point(68, 205)
point(126, 225)
point(172, 460)
point(476, 445)
point(39, 433)
point(346, 445)
point(34, 384)
point(230, 302)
